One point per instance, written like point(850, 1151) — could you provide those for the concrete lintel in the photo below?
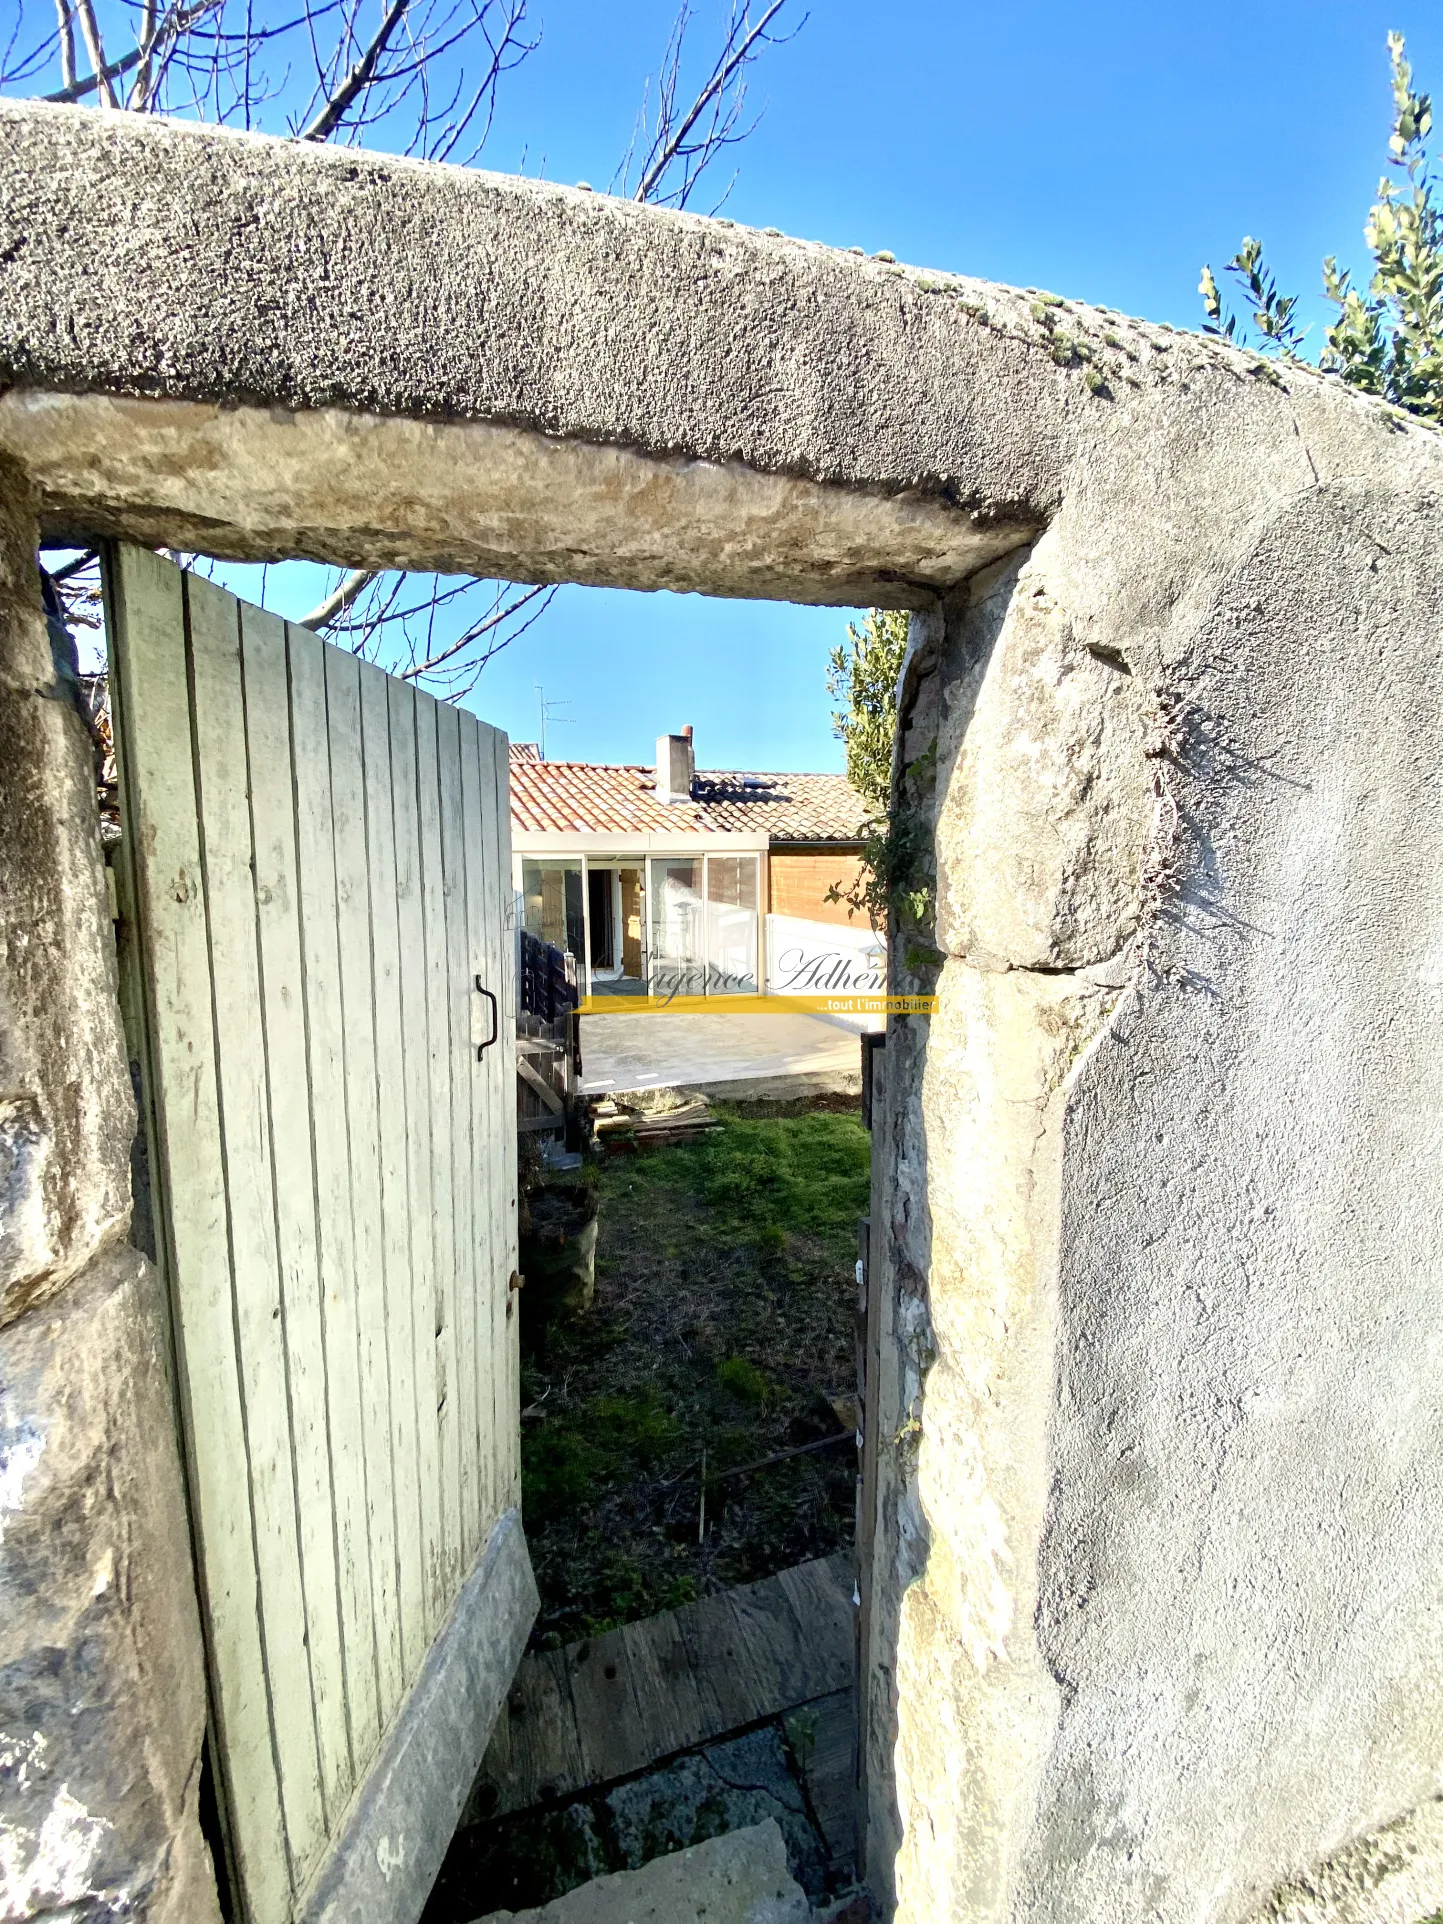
point(370, 490)
point(382, 1867)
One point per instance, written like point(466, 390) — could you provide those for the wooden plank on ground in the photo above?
point(609, 1720)
point(820, 1593)
point(668, 1692)
point(416, 1082)
point(543, 1751)
point(720, 1662)
point(613, 1705)
point(219, 735)
point(338, 1234)
point(823, 1737)
point(149, 658)
point(288, 1093)
point(366, 938)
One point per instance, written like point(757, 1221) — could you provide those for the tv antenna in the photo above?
point(548, 714)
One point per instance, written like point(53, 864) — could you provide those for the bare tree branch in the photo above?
point(67, 42)
point(697, 135)
point(338, 600)
point(90, 32)
point(149, 24)
point(86, 559)
point(78, 89)
point(410, 637)
point(478, 630)
point(358, 79)
point(17, 68)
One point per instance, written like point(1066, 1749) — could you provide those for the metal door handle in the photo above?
point(482, 1047)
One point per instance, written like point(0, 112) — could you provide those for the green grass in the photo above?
point(580, 1456)
point(745, 1381)
point(723, 1326)
point(760, 1181)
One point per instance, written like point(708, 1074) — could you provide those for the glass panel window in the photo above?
point(601, 888)
point(678, 962)
point(731, 925)
point(553, 905)
point(633, 954)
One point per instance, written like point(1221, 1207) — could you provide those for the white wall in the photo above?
point(820, 958)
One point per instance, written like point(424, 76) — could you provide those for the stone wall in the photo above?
point(102, 1697)
point(1166, 1491)
point(1155, 1629)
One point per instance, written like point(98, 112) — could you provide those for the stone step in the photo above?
point(741, 1878)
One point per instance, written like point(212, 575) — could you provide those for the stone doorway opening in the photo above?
point(485, 489)
point(755, 1717)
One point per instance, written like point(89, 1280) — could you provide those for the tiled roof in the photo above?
point(592, 798)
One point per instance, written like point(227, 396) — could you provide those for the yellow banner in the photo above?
point(758, 1005)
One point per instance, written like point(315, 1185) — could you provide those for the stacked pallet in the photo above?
point(620, 1126)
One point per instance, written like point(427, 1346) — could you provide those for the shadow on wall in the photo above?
point(899, 1346)
point(1156, 1403)
point(1032, 776)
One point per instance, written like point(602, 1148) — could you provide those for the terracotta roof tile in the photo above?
point(620, 799)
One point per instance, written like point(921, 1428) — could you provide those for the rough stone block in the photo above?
point(102, 1692)
point(67, 1115)
point(1173, 1425)
point(741, 1878)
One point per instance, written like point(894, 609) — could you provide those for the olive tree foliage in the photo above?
point(894, 889)
point(418, 77)
point(1387, 338)
point(862, 674)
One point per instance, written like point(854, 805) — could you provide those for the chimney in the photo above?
point(675, 766)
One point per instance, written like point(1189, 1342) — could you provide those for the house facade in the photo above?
point(668, 881)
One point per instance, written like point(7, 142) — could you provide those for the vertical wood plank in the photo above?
point(438, 1119)
point(345, 1246)
point(503, 1093)
point(362, 904)
point(489, 1335)
point(163, 837)
point(449, 726)
point(219, 738)
point(415, 1079)
point(283, 1034)
point(394, 1354)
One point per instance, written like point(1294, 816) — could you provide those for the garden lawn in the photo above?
point(722, 1333)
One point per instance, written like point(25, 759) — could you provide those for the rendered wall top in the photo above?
point(348, 317)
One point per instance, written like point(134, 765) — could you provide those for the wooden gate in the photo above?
point(317, 864)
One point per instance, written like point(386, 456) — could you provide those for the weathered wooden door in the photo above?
point(317, 867)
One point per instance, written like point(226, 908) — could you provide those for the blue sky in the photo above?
point(1103, 150)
